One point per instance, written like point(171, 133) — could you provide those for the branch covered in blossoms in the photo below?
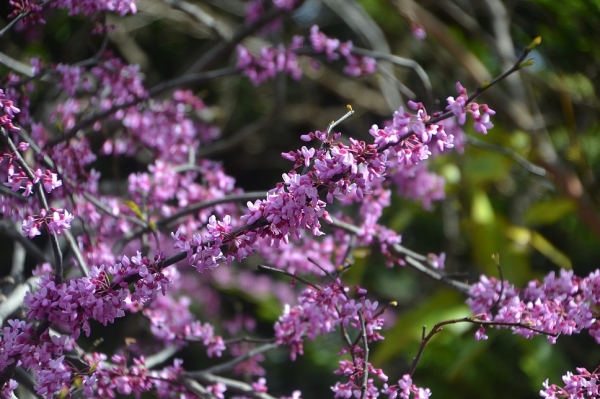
point(584, 384)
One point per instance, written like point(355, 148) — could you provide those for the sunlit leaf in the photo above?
point(524, 236)
point(481, 208)
point(549, 212)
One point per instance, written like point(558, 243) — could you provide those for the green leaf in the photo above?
point(269, 309)
point(482, 211)
point(486, 166)
point(135, 208)
point(525, 236)
point(549, 212)
point(406, 334)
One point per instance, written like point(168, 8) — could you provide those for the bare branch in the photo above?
point(228, 366)
point(233, 385)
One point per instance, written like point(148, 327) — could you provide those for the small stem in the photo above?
point(162, 87)
point(412, 258)
point(530, 167)
point(290, 275)
point(220, 368)
point(20, 17)
point(363, 332)
point(322, 269)
point(249, 340)
point(41, 196)
point(329, 129)
point(343, 118)
point(496, 257)
point(164, 222)
point(473, 320)
point(480, 89)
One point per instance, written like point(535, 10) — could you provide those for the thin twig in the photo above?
point(473, 320)
point(248, 340)
point(178, 257)
point(160, 357)
point(365, 341)
point(333, 279)
point(26, 381)
point(405, 62)
point(227, 366)
point(81, 262)
point(49, 162)
point(15, 65)
point(412, 258)
point(221, 30)
point(236, 138)
point(225, 47)
point(160, 88)
point(232, 385)
point(168, 220)
point(518, 65)
point(20, 17)
point(329, 129)
point(538, 170)
point(290, 275)
point(41, 196)
point(496, 258)
point(401, 86)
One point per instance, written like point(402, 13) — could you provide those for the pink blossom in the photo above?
point(418, 31)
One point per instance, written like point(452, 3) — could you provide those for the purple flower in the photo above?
point(418, 31)
point(482, 119)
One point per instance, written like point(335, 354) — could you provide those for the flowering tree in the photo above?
point(164, 244)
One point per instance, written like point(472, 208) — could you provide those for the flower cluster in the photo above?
point(270, 61)
point(121, 377)
point(55, 221)
point(255, 8)
point(94, 295)
point(86, 7)
point(558, 305)
point(9, 112)
point(172, 320)
point(250, 366)
point(300, 254)
point(581, 385)
point(354, 370)
point(117, 83)
point(71, 78)
point(460, 106)
point(74, 159)
point(111, 83)
point(25, 6)
point(409, 135)
point(205, 254)
point(416, 182)
point(405, 388)
point(166, 127)
point(336, 170)
point(103, 296)
point(356, 65)
point(273, 60)
point(320, 311)
point(45, 356)
point(20, 180)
